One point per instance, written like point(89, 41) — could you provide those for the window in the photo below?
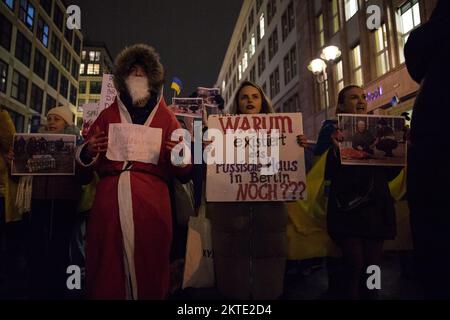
point(253, 74)
point(324, 95)
point(23, 49)
point(251, 19)
point(409, 20)
point(26, 13)
point(58, 17)
point(261, 29)
point(82, 69)
point(334, 16)
point(77, 44)
point(42, 31)
point(93, 68)
point(83, 55)
point(320, 31)
point(351, 7)
point(82, 85)
point(240, 71)
point(355, 58)
point(275, 83)
point(73, 95)
point(95, 87)
point(55, 46)
point(273, 44)
point(271, 10)
point(5, 32)
point(338, 76)
point(18, 120)
point(3, 75)
point(66, 59)
point(381, 51)
point(19, 87)
point(244, 36)
point(9, 3)
point(75, 71)
point(245, 61)
point(68, 34)
point(290, 65)
point(262, 62)
point(224, 85)
point(291, 105)
point(94, 55)
point(64, 86)
point(252, 46)
point(47, 6)
point(264, 88)
point(238, 51)
point(288, 21)
point(53, 75)
point(258, 5)
point(50, 103)
point(40, 64)
point(37, 98)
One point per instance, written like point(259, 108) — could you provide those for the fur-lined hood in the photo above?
point(143, 55)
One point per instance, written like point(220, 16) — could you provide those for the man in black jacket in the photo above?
point(427, 52)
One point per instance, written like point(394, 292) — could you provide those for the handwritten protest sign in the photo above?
point(90, 113)
point(272, 177)
point(109, 92)
point(130, 142)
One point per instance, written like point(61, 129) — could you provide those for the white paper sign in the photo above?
point(246, 181)
point(109, 92)
point(131, 142)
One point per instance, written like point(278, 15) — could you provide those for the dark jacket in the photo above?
point(426, 54)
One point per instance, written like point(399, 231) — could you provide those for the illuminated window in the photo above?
point(351, 7)
point(381, 51)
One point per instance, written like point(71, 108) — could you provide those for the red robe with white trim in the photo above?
point(105, 266)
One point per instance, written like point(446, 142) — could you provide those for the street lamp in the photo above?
point(318, 67)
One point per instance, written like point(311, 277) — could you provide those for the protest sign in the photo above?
point(255, 158)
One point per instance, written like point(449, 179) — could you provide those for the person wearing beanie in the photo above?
point(130, 228)
point(52, 218)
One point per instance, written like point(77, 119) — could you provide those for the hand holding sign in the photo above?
point(97, 143)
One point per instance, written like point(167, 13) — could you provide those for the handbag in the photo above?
point(199, 263)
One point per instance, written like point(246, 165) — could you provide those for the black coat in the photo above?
point(427, 59)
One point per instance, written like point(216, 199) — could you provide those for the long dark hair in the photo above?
point(341, 96)
point(266, 105)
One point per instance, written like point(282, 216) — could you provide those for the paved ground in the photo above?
point(302, 282)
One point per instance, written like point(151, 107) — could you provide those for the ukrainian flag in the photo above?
point(176, 85)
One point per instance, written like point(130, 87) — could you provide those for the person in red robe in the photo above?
point(130, 228)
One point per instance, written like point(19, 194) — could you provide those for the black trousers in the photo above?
point(429, 203)
point(49, 231)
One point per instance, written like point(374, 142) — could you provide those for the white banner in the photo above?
point(130, 142)
point(263, 164)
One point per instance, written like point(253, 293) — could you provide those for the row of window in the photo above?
point(287, 25)
point(19, 87)
point(28, 15)
point(408, 16)
point(23, 50)
point(290, 71)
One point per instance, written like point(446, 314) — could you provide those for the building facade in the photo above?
point(39, 60)
point(263, 49)
point(95, 61)
point(372, 59)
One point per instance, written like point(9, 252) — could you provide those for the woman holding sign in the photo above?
point(360, 213)
point(249, 238)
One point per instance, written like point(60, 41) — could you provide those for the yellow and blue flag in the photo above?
point(176, 85)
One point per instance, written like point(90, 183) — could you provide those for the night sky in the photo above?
point(191, 36)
